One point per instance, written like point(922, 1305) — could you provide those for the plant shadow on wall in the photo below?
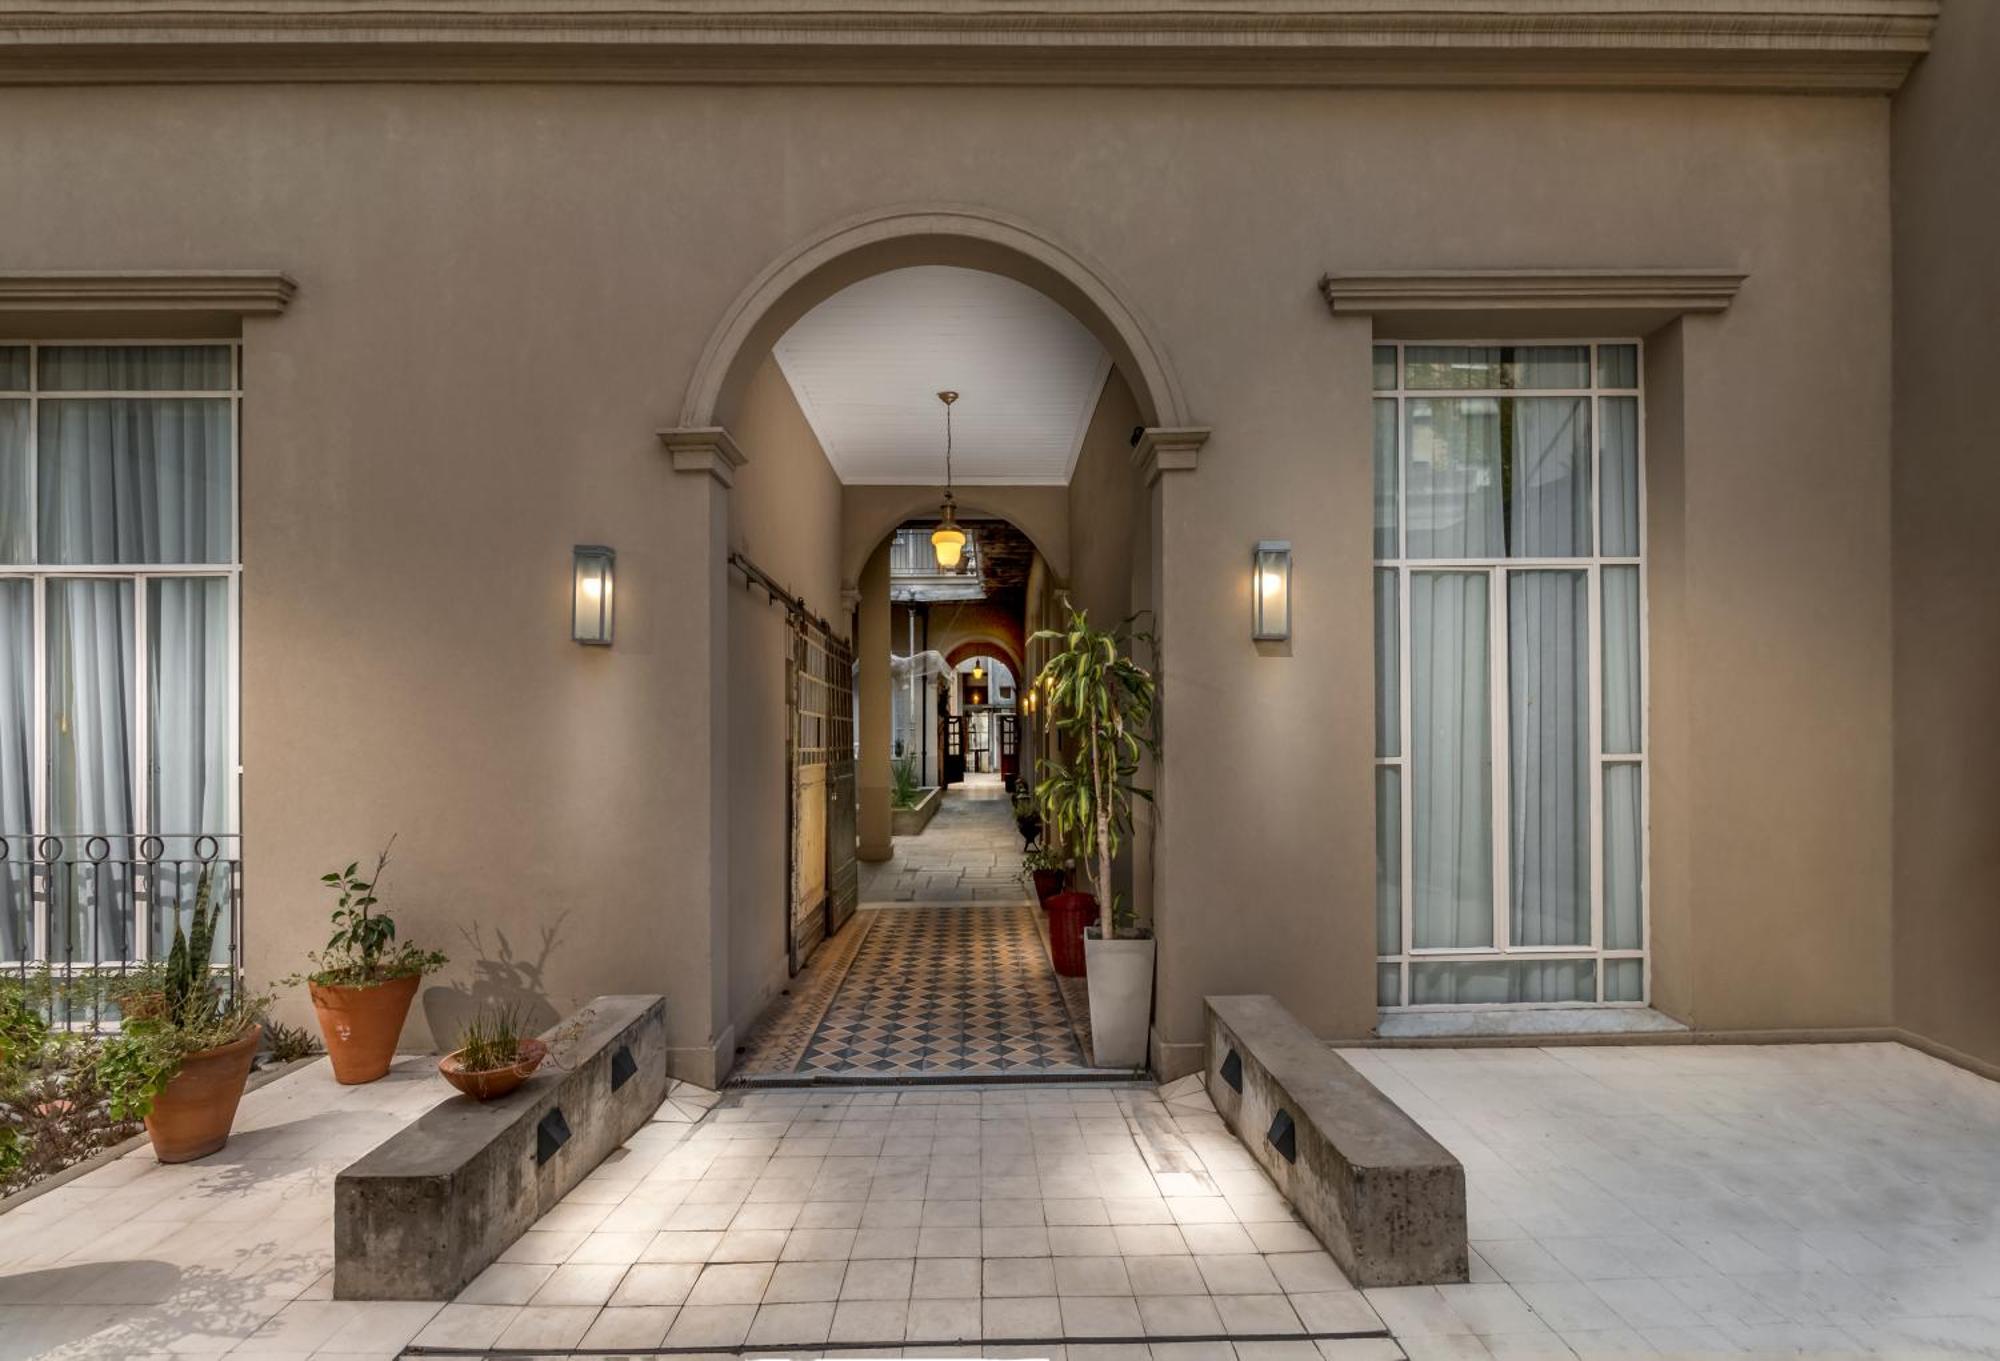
point(502, 981)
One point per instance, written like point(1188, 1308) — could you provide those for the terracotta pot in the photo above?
point(361, 1025)
point(494, 1082)
point(191, 1118)
point(1048, 883)
point(1069, 913)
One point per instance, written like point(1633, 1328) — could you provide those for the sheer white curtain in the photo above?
point(128, 481)
point(1548, 720)
point(17, 699)
point(90, 688)
point(1549, 499)
point(1451, 760)
point(1454, 489)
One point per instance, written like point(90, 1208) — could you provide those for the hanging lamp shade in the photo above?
point(948, 539)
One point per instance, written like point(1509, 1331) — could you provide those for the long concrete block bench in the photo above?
point(434, 1205)
point(1386, 1199)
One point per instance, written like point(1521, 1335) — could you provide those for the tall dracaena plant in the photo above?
point(1100, 704)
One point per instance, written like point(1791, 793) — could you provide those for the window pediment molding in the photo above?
point(243, 293)
point(1676, 291)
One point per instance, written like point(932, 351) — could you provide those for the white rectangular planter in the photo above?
point(1120, 974)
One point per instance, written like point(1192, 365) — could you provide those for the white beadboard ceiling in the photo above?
point(867, 364)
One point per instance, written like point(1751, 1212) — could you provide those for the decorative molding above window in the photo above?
point(241, 292)
point(1783, 45)
point(1674, 291)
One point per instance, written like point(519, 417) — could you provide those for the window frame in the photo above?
point(40, 575)
point(1499, 571)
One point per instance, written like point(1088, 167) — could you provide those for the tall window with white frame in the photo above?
point(119, 585)
point(1510, 769)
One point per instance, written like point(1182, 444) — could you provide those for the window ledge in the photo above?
point(1484, 1022)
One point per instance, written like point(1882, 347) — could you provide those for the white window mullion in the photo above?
point(142, 768)
point(38, 814)
point(1499, 737)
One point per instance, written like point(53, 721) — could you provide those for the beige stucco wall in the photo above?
point(1947, 482)
point(785, 517)
point(503, 292)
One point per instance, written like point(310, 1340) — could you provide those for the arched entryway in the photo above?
point(1057, 375)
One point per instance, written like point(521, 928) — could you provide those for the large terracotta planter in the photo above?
point(361, 1025)
point(492, 1083)
point(191, 1118)
point(1048, 883)
point(1069, 913)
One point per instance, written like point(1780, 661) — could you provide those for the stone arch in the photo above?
point(897, 238)
point(985, 645)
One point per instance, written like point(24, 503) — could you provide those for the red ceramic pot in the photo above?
point(1048, 883)
point(1069, 913)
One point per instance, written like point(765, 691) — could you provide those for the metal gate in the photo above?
point(825, 884)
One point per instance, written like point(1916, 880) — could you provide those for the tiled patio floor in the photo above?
point(1698, 1200)
point(971, 1221)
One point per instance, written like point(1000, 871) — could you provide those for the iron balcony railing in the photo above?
point(84, 910)
point(912, 555)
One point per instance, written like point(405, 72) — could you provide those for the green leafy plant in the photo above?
point(289, 1043)
point(1100, 704)
point(491, 1040)
point(904, 789)
point(1044, 858)
point(363, 949)
point(172, 1010)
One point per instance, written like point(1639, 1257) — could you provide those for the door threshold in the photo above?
point(1054, 1077)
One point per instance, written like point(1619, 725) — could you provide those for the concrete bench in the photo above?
point(434, 1205)
point(1386, 1199)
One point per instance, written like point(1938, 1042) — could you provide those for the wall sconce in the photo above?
point(590, 603)
point(1271, 591)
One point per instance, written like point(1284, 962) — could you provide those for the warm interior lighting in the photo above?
point(590, 600)
point(978, 671)
point(948, 540)
point(1271, 601)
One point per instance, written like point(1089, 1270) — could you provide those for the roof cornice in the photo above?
point(1835, 46)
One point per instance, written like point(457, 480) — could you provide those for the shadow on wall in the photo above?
point(499, 980)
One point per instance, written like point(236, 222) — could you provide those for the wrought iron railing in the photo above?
point(83, 911)
point(911, 554)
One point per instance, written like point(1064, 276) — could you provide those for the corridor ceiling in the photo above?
point(867, 364)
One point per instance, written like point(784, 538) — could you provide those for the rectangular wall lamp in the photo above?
point(590, 601)
point(1271, 591)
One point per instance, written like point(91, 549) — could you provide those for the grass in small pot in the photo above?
point(491, 1041)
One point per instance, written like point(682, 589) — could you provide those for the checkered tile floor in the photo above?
point(957, 990)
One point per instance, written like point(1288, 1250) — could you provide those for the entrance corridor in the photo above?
point(944, 973)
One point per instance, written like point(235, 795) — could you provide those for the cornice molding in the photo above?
point(242, 292)
point(1788, 45)
point(1385, 292)
point(1168, 451)
point(707, 449)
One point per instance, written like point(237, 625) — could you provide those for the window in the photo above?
point(119, 582)
point(1510, 778)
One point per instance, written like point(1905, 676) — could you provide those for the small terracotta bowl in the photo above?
point(496, 1082)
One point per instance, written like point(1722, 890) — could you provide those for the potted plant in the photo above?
point(1045, 866)
point(183, 1052)
point(493, 1057)
point(364, 981)
point(1027, 818)
point(1101, 706)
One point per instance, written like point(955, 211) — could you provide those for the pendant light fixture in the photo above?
point(948, 540)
